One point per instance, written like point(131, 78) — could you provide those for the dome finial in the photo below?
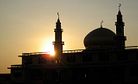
point(101, 24)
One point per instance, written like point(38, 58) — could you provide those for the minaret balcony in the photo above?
point(58, 43)
point(57, 30)
point(121, 38)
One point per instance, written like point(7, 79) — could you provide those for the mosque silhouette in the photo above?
point(105, 59)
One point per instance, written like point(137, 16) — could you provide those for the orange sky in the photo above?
point(28, 25)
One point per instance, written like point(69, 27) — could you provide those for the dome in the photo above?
point(99, 38)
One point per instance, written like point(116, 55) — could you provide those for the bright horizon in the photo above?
point(28, 25)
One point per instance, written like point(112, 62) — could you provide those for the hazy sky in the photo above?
point(28, 25)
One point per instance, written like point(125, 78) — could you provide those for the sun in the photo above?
point(48, 48)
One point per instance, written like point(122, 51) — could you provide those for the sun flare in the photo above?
point(48, 48)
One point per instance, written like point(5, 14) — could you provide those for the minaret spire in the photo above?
point(119, 6)
point(58, 43)
point(58, 14)
point(58, 23)
point(120, 29)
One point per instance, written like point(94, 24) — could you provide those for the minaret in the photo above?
point(58, 43)
point(120, 30)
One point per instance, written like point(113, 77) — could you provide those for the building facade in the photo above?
point(105, 59)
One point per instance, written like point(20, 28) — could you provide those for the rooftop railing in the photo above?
point(69, 51)
point(131, 47)
point(73, 51)
point(15, 66)
point(34, 53)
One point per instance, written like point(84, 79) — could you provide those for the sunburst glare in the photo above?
point(48, 47)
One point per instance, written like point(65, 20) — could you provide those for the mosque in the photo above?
point(105, 59)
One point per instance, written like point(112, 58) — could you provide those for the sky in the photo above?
point(28, 25)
